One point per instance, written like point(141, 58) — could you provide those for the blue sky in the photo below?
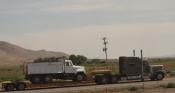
point(77, 26)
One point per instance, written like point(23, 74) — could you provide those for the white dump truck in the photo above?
point(45, 72)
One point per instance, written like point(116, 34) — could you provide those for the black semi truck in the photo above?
point(132, 68)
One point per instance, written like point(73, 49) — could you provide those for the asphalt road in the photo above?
point(94, 87)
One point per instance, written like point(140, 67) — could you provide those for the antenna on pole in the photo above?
point(105, 48)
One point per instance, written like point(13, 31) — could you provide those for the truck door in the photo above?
point(69, 67)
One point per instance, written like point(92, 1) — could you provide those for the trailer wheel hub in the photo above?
point(36, 79)
point(79, 77)
point(20, 86)
point(159, 76)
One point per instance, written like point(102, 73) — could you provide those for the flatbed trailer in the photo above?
point(27, 85)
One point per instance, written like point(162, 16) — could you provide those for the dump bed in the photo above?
point(45, 68)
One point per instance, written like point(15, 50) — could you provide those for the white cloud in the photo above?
point(52, 6)
point(113, 5)
point(73, 8)
point(111, 11)
point(81, 6)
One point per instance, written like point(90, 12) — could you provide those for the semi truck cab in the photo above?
point(130, 68)
point(155, 72)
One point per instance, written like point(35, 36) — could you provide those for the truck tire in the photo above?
point(47, 79)
point(97, 79)
point(114, 79)
point(36, 79)
point(104, 80)
point(101, 79)
point(80, 77)
point(160, 76)
point(20, 86)
point(9, 87)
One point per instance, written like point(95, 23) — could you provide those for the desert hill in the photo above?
point(11, 54)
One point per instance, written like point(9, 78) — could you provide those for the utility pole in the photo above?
point(105, 48)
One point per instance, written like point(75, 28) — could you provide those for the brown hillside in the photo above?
point(14, 55)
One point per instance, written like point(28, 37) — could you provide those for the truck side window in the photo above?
point(70, 64)
point(67, 63)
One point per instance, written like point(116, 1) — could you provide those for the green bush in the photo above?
point(170, 85)
point(163, 85)
point(78, 59)
point(171, 73)
point(132, 88)
point(11, 73)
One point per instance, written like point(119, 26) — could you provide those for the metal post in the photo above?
point(105, 48)
point(142, 65)
point(134, 54)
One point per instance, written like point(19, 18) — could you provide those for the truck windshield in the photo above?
point(69, 64)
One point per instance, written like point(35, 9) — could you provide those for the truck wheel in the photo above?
point(80, 77)
point(20, 86)
point(98, 79)
point(101, 79)
point(36, 79)
point(159, 76)
point(104, 80)
point(9, 87)
point(114, 79)
point(47, 79)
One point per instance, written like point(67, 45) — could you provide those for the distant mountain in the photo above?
point(11, 54)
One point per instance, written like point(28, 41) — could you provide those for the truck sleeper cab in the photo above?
point(45, 72)
point(130, 68)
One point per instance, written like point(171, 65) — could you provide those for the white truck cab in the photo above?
point(71, 68)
